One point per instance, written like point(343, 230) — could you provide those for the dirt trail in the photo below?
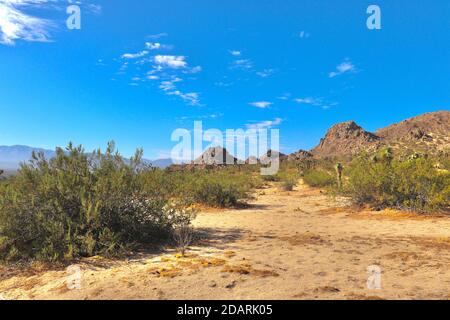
point(287, 245)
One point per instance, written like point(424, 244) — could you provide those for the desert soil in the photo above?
point(301, 244)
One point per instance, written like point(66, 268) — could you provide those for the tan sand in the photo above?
point(288, 245)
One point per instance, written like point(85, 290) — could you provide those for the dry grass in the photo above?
point(403, 256)
point(247, 269)
point(394, 215)
point(359, 296)
point(303, 239)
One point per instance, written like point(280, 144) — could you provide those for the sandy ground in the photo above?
point(301, 244)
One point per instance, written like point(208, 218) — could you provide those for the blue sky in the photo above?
point(137, 69)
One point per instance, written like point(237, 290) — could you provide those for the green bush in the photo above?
point(271, 178)
point(319, 178)
point(413, 184)
point(77, 205)
point(215, 188)
point(216, 194)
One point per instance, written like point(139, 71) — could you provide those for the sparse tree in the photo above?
point(183, 235)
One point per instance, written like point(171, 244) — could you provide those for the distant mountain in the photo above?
point(161, 163)
point(12, 156)
point(215, 156)
point(429, 133)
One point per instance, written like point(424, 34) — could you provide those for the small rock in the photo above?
point(213, 284)
point(231, 285)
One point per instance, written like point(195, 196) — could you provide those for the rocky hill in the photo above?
point(345, 138)
point(299, 155)
point(429, 133)
point(215, 156)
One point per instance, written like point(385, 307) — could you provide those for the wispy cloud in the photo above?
point(157, 46)
point(266, 73)
point(94, 8)
point(191, 98)
point(317, 102)
point(165, 71)
point(244, 64)
point(345, 67)
point(261, 104)
point(235, 53)
point(265, 124)
point(157, 36)
point(285, 96)
point(17, 25)
point(135, 55)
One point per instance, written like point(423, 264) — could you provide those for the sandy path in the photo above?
point(287, 245)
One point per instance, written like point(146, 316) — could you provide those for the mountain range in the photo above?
point(12, 156)
point(429, 133)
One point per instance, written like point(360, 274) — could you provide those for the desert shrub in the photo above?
point(288, 185)
point(226, 187)
point(76, 205)
point(271, 178)
point(413, 184)
point(319, 178)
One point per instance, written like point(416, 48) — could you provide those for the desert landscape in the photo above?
point(300, 244)
point(289, 240)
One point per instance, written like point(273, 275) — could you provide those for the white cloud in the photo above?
point(171, 61)
point(265, 124)
point(153, 45)
point(156, 46)
point(309, 100)
point(242, 64)
point(168, 85)
point(135, 55)
point(191, 97)
point(318, 102)
point(284, 96)
point(165, 69)
point(17, 25)
point(261, 104)
point(196, 69)
point(345, 67)
point(158, 35)
point(95, 8)
point(265, 73)
point(235, 53)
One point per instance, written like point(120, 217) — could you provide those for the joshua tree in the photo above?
point(339, 168)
